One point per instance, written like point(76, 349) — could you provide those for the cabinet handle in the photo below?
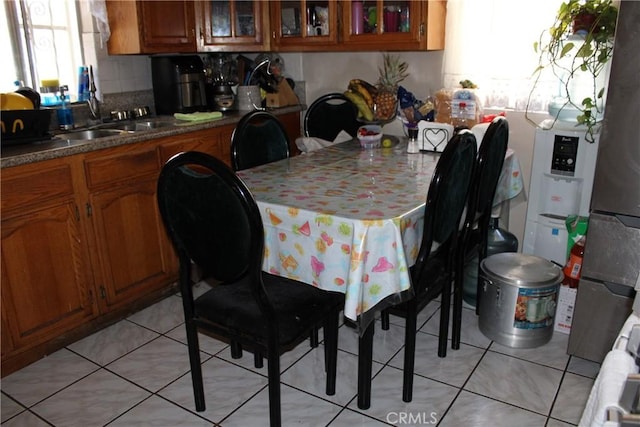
point(89, 210)
point(77, 212)
point(422, 29)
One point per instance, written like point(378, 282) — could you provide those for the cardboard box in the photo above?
point(565, 308)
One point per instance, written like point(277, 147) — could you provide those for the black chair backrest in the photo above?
point(487, 174)
point(330, 114)
point(259, 138)
point(489, 165)
point(446, 198)
point(211, 218)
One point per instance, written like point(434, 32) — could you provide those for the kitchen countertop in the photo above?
point(54, 148)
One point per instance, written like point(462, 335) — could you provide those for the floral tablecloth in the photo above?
point(345, 219)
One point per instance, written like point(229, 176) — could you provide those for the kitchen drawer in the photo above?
point(120, 167)
point(35, 185)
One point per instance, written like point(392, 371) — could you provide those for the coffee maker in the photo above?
point(178, 84)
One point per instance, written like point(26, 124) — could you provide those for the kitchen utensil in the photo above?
point(22, 126)
point(15, 101)
point(518, 300)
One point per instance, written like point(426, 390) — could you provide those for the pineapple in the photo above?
point(392, 73)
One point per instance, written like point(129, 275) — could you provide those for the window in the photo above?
point(41, 40)
point(490, 42)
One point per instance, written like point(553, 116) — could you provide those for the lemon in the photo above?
point(387, 142)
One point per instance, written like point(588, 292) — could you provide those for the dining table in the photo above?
point(348, 219)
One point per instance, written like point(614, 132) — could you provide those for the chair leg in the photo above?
point(257, 360)
point(445, 305)
point(236, 350)
point(456, 328)
point(331, 352)
point(273, 362)
point(409, 349)
point(384, 318)
point(313, 338)
point(478, 289)
point(365, 363)
point(196, 368)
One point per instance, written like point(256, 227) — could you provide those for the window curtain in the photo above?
point(490, 42)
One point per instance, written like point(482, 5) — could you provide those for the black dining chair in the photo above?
point(259, 138)
point(213, 220)
point(475, 229)
point(432, 273)
point(330, 114)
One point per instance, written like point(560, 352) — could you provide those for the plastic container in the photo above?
point(370, 136)
point(519, 299)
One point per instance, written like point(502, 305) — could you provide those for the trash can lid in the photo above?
point(525, 271)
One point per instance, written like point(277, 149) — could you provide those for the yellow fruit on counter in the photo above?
point(14, 101)
point(387, 142)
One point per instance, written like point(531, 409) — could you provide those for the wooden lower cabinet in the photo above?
point(83, 244)
point(130, 251)
point(47, 287)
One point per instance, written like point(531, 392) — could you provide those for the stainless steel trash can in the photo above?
point(518, 299)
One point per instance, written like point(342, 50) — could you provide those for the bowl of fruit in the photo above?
point(369, 136)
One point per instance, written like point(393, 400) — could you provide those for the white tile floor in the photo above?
point(136, 373)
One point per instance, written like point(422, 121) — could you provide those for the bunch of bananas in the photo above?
point(363, 96)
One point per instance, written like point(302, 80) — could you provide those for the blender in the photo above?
point(223, 78)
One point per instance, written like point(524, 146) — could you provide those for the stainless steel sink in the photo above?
point(153, 124)
point(136, 126)
point(85, 135)
point(127, 126)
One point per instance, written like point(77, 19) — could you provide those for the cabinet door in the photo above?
point(310, 25)
point(233, 25)
point(45, 284)
point(393, 24)
point(151, 26)
point(167, 26)
point(208, 141)
point(134, 254)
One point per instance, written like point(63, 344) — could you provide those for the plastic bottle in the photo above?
point(357, 19)
point(404, 19)
point(573, 267)
point(65, 115)
point(83, 83)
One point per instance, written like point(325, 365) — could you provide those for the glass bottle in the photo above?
point(357, 17)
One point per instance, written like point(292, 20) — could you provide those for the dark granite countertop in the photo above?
point(16, 155)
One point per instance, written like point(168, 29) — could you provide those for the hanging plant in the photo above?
point(578, 45)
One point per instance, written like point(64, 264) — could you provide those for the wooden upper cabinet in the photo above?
point(232, 26)
point(151, 26)
point(393, 25)
point(310, 25)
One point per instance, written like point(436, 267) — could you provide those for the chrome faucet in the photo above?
point(93, 102)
